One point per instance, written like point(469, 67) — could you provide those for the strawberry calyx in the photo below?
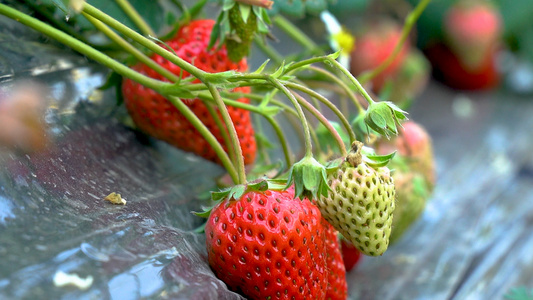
point(384, 117)
point(361, 154)
point(309, 179)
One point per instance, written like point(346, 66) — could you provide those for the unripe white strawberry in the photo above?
point(360, 204)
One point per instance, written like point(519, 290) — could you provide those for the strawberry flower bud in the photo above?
point(384, 117)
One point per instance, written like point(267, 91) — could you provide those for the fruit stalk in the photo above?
point(322, 120)
point(236, 146)
point(134, 16)
point(211, 139)
point(410, 21)
point(130, 48)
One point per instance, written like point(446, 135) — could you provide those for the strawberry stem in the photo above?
point(131, 49)
point(82, 48)
point(96, 13)
point(206, 133)
point(225, 135)
point(254, 109)
point(236, 146)
point(354, 80)
point(307, 133)
point(340, 83)
point(410, 21)
point(134, 16)
point(320, 117)
point(328, 103)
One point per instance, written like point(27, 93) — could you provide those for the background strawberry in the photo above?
point(268, 245)
point(156, 116)
point(337, 286)
point(373, 46)
point(350, 255)
point(473, 30)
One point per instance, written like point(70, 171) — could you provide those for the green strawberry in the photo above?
point(360, 204)
point(412, 192)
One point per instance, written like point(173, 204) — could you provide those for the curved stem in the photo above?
point(131, 49)
point(324, 121)
point(254, 109)
point(134, 16)
point(236, 146)
point(340, 83)
point(301, 115)
point(210, 138)
point(410, 21)
point(82, 48)
point(96, 13)
point(354, 80)
point(328, 103)
point(225, 136)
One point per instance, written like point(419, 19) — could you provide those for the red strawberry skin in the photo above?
point(350, 255)
point(451, 71)
point(337, 287)
point(156, 116)
point(268, 244)
point(373, 47)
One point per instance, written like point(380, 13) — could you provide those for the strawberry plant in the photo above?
point(267, 236)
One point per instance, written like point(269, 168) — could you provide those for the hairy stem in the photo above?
point(236, 146)
point(135, 17)
point(82, 48)
point(301, 115)
point(210, 138)
point(354, 80)
point(194, 71)
point(324, 121)
point(131, 49)
point(328, 104)
point(410, 21)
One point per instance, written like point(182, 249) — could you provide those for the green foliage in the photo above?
point(519, 293)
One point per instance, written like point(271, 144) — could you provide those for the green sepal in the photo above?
point(309, 178)
point(233, 193)
point(384, 117)
point(261, 67)
point(375, 160)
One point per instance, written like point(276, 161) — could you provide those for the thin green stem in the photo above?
point(135, 17)
point(210, 138)
point(236, 146)
point(340, 83)
point(328, 104)
point(149, 44)
point(254, 109)
point(268, 50)
point(295, 33)
point(82, 48)
point(301, 115)
point(410, 21)
point(354, 80)
point(320, 117)
point(131, 49)
point(225, 136)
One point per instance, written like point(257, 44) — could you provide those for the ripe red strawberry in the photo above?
point(350, 255)
point(156, 116)
point(337, 286)
point(449, 69)
point(373, 47)
point(268, 245)
point(472, 29)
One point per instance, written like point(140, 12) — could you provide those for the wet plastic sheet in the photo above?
point(474, 240)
